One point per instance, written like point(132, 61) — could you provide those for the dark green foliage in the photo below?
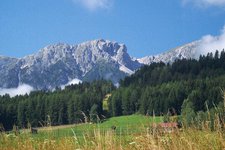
point(62, 106)
point(115, 105)
point(162, 88)
point(94, 113)
point(186, 69)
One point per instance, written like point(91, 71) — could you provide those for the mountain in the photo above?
point(59, 64)
point(186, 51)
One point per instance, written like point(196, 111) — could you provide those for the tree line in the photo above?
point(67, 106)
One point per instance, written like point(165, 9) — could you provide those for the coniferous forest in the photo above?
point(59, 107)
point(187, 86)
point(160, 87)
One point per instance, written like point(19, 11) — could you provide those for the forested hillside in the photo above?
point(59, 107)
point(160, 87)
point(184, 86)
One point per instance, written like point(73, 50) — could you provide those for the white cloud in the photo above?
point(93, 5)
point(74, 81)
point(20, 90)
point(211, 43)
point(205, 3)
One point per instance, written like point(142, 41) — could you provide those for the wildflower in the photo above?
point(132, 143)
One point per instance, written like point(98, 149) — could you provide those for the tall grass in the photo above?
point(98, 139)
point(180, 140)
point(199, 136)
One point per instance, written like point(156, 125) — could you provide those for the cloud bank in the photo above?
point(211, 43)
point(20, 90)
point(93, 5)
point(74, 81)
point(206, 3)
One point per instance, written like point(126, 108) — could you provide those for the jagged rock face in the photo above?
point(56, 65)
point(8, 72)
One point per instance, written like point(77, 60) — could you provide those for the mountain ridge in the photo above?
point(58, 64)
point(186, 51)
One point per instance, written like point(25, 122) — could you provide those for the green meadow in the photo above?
point(125, 125)
point(131, 133)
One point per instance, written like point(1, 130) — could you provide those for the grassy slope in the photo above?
point(124, 125)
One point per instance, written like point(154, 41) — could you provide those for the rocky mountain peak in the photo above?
point(59, 64)
point(105, 46)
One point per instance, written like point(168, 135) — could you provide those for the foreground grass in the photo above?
point(132, 133)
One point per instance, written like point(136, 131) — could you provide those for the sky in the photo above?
point(147, 27)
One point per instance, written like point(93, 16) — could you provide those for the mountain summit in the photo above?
point(61, 64)
point(58, 64)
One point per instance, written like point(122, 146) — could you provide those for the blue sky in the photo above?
point(147, 27)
